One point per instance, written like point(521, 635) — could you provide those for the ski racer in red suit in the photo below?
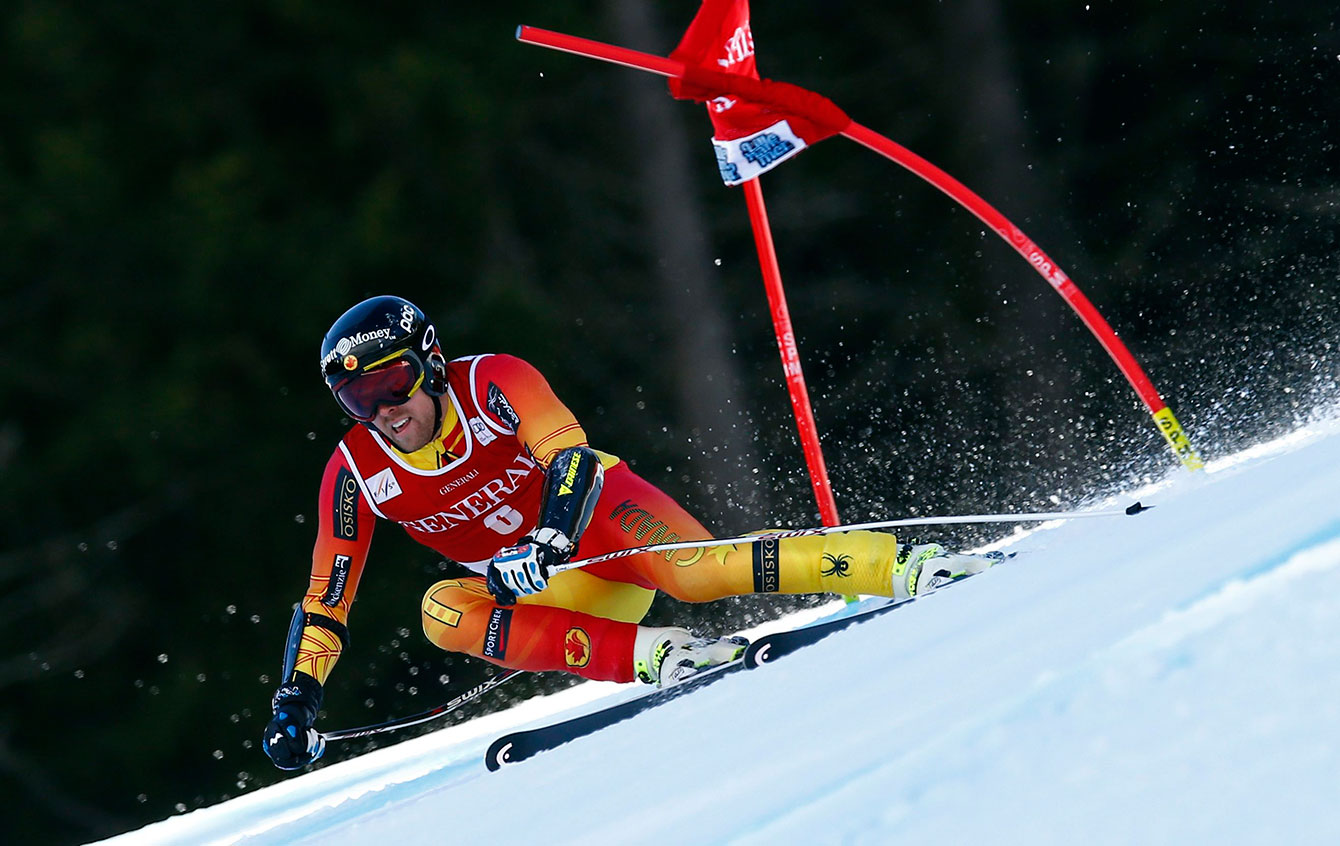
point(477, 459)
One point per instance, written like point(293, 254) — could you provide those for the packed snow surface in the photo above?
point(1172, 677)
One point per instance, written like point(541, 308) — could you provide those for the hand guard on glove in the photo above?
point(290, 739)
point(525, 569)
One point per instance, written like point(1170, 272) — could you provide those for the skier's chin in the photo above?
point(411, 446)
point(410, 439)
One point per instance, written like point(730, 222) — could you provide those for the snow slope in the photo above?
point(1167, 678)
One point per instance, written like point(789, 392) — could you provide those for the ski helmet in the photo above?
point(379, 353)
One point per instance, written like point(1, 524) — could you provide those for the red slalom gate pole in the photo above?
point(1163, 416)
point(767, 258)
point(786, 344)
point(578, 46)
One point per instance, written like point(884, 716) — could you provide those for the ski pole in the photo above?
point(961, 519)
point(423, 717)
point(484, 687)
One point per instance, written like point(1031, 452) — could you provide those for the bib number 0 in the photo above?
point(505, 520)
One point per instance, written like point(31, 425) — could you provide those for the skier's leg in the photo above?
point(460, 615)
point(634, 512)
point(585, 621)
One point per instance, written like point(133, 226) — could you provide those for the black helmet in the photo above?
point(380, 352)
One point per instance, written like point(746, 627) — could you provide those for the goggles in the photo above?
point(383, 384)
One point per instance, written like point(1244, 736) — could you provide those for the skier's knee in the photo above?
point(444, 607)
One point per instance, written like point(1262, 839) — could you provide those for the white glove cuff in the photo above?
point(552, 538)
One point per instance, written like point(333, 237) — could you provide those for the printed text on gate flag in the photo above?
point(757, 123)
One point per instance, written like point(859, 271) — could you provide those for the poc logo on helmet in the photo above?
point(407, 316)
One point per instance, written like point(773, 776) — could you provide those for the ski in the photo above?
point(769, 647)
point(517, 746)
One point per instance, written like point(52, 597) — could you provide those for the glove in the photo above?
point(525, 569)
point(290, 739)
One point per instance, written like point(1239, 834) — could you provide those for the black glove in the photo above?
point(290, 739)
point(525, 568)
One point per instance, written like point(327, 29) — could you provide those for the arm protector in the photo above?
point(571, 488)
point(293, 646)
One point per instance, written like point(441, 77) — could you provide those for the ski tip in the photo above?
point(499, 754)
point(1136, 508)
point(756, 655)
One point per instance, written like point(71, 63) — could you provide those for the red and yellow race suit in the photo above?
point(477, 489)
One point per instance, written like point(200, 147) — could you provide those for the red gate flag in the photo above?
point(757, 123)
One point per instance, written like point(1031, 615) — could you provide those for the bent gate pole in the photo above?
point(960, 193)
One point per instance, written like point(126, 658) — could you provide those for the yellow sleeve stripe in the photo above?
point(538, 448)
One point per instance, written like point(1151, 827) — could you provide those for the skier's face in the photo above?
point(409, 425)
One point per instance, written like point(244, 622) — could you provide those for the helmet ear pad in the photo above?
point(435, 373)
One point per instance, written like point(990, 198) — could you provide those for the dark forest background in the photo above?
point(191, 192)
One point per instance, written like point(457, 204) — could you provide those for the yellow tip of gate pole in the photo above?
point(1177, 439)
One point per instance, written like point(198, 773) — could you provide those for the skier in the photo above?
point(477, 459)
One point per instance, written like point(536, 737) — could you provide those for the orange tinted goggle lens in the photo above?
point(390, 385)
